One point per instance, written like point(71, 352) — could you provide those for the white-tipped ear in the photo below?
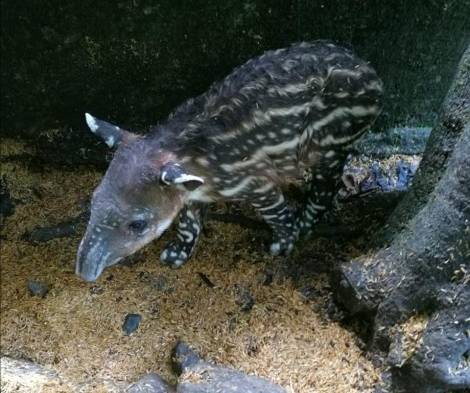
point(173, 173)
point(183, 178)
point(111, 134)
point(90, 120)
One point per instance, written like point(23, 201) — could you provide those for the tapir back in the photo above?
point(276, 115)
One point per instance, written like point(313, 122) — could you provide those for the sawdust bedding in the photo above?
point(76, 328)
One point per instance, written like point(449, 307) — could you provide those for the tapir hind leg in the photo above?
point(322, 186)
point(178, 251)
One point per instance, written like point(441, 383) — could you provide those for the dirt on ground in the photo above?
point(287, 332)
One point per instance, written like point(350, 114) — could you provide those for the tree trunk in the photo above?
point(422, 268)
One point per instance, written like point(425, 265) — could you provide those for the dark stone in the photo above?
point(131, 323)
point(37, 288)
point(204, 377)
point(216, 379)
point(370, 175)
point(150, 383)
point(7, 205)
point(244, 298)
point(184, 357)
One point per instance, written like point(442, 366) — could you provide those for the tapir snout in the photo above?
point(92, 257)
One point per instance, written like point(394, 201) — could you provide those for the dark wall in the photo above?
point(133, 61)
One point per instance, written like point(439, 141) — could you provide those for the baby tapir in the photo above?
point(288, 115)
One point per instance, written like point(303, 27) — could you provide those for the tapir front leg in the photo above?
point(178, 251)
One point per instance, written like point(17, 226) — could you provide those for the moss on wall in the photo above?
point(133, 61)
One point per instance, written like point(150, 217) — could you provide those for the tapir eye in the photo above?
point(138, 225)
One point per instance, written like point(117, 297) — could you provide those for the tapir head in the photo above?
point(142, 191)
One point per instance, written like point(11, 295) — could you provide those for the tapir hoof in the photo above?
point(281, 247)
point(174, 255)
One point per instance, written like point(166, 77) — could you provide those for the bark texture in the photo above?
point(424, 267)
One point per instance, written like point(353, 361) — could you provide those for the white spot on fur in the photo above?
point(275, 249)
point(374, 85)
point(264, 188)
point(277, 203)
point(330, 153)
point(356, 111)
point(333, 164)
point(200, 194)
point(260, 154)
point(203, 161)
point(342, 94)
point(261, 118)
point(189, 237)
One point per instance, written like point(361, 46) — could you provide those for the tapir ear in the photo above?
point(172, 173)
point(111, 134)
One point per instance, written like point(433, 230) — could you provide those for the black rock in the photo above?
point(131, 323)
point(37, 288)
point(204, 377)
point(150, 383)
point(184, 357)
